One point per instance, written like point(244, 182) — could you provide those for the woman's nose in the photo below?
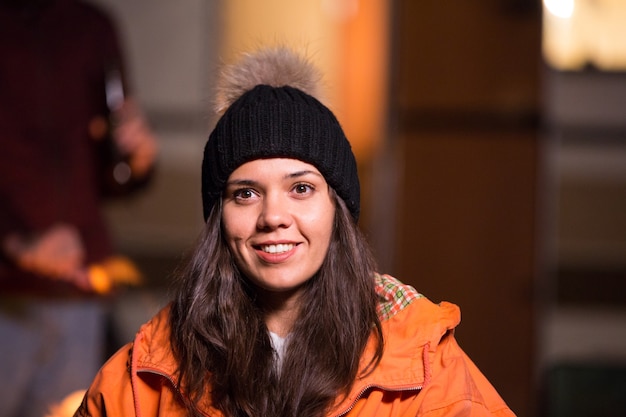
point(274, 213)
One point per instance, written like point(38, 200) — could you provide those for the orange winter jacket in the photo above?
point(423, 371)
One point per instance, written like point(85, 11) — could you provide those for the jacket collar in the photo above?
point(412, 330)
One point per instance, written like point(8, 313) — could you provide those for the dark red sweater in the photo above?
point(53, 55)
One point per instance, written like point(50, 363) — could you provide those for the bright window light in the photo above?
point(560, 8)
point(577, 33)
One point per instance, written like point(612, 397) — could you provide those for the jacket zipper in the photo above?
point(159, 373)
point(166, 376)
point(381, 387)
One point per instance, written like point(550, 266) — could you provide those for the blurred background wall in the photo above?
point(491, 139)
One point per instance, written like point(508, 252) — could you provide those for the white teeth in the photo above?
point(280, 248)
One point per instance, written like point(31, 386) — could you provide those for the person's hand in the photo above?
point(133, 137)
point(58, 253)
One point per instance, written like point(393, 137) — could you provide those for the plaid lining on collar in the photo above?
point(394, 296)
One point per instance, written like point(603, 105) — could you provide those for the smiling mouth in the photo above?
point(275, 249)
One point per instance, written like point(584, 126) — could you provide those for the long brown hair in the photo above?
point(223, 346)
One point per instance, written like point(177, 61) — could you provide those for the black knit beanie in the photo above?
point(279, 122)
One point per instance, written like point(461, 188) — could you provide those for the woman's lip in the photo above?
point(275, 252)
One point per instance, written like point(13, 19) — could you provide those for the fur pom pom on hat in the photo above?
point(276, 67)
point(269, 110)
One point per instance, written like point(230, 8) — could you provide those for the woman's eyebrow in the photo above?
point(291, 175)
point(302, 173)
point(241, 182)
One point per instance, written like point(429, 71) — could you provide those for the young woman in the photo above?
point(279, 310)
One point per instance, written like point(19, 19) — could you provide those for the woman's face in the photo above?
point(278, 219)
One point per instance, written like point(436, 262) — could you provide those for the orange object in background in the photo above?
point(114, 271)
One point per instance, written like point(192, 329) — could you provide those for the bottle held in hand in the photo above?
point(116, 174)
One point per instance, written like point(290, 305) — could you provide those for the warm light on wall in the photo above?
point(304, 25)
point(363, 78)
point(347, 39)
point(581, 32)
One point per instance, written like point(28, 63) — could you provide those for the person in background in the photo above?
point(61, 81)
point(279, 310)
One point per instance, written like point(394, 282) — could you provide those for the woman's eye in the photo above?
point(303, 188)
point(243, 194)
